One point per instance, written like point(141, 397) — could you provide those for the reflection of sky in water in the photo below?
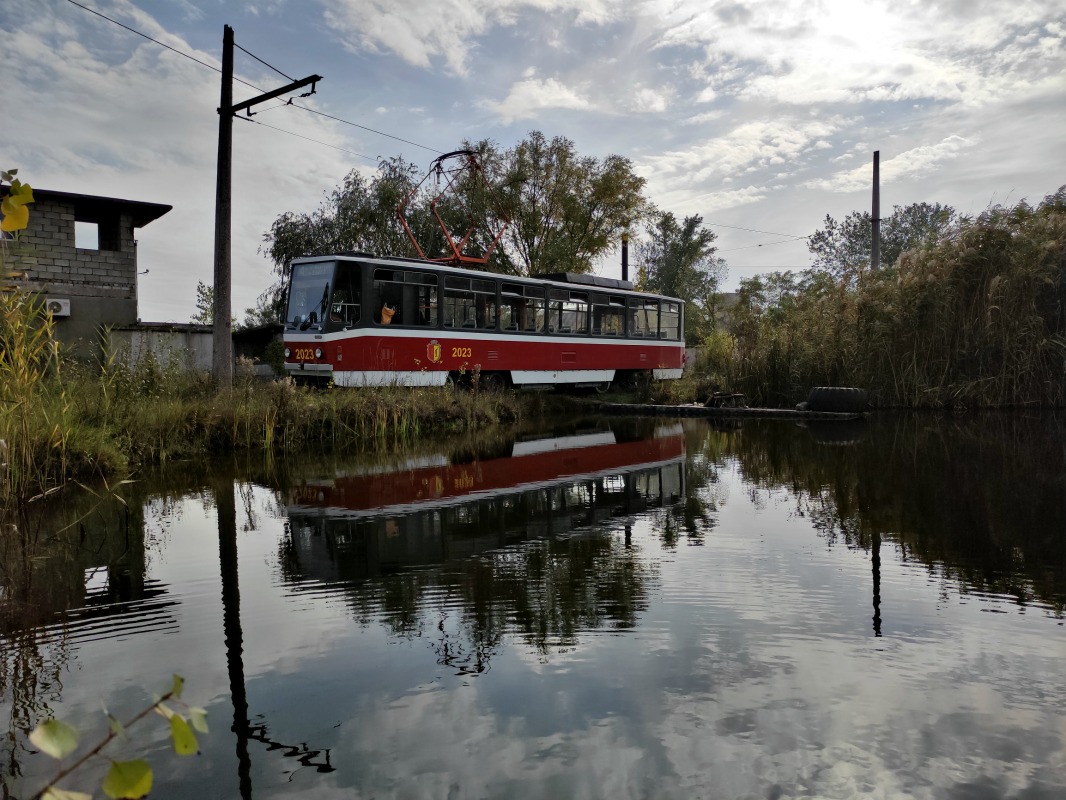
point(752, 671)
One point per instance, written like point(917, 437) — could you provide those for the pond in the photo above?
point(625, 608)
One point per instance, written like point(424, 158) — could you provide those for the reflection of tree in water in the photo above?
point(982, 499)
point(541, 563)
point(696, 513)
point(46, 551)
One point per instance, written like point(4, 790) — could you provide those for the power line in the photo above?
point(764, 244)
point(753, 230)
point(251, 85)
point(265, 64)
point(308, 138)
point(156, 41)
point(363, 127)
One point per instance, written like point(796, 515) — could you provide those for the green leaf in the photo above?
point(184, 739)
point(57, 739)
point(198, 718)
point(128, 780)
point(179, 684)
point(55, 793)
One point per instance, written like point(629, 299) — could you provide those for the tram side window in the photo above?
point(485, 295)
point(576, 313)
point(420, 295)
point(554, 316)
point(608, 314)
point(644, 318)
point(405, 297)
point(469, 303)
point(670, 321)
point(345, 305)
point(521, 308)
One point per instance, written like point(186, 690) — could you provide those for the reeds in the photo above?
point(977, 319)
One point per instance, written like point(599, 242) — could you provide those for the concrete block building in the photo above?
point(80, 254)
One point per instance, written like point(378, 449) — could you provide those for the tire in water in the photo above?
point(838, 399)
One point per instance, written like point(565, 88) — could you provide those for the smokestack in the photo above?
point(875, 252)
point(625, 256)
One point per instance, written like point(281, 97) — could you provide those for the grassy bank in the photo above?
point(61, 421)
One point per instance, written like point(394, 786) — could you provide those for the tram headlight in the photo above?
point(288, 353)
point(318, 352)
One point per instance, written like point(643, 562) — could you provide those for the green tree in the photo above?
point(565, 210)
point(844, 248)
point(205, 304)
point(678, 259)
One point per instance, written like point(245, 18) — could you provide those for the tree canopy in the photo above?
point(845, 248)
point(678, 259)
point(566, 210)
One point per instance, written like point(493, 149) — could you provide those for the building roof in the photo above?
point(87, 207)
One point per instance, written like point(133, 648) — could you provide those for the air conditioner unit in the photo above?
point(57, 307)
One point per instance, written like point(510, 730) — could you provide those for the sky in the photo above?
point(761, 117)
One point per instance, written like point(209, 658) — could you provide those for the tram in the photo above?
point(360, 320)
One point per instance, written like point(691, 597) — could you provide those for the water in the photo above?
point(627, 609)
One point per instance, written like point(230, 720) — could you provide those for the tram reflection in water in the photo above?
point(434, 510)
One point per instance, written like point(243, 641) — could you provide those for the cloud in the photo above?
point(530, 96)
point(920, 160)
point(126, 118)
point(420, 31)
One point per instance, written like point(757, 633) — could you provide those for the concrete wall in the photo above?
point(186, 346)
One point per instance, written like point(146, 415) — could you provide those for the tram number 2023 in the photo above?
point(462, 352)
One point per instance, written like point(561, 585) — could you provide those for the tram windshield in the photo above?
point(309, 293)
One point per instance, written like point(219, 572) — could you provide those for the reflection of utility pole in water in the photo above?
point(875, 558)
point(225, 507)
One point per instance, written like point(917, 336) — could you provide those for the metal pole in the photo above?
point(625, 256)
point(875, 252)
point(222, 336)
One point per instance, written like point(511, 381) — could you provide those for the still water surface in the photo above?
point(645, 609)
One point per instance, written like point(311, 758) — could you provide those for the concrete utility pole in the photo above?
point(222, 334)
point(875, 252)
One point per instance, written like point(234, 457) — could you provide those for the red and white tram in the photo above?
point(362, 320)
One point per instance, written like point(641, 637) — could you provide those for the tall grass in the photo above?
point(977, 319)
point(65, 420)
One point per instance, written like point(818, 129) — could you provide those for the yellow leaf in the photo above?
point(57, 739)
point(15, 219)
point(128, 780)
point(55, 793)
point(198, 719)
point(184, 739)
point(179, 684)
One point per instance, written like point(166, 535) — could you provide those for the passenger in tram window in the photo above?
point(387, 313)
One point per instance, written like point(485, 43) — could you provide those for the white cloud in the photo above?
point(108, 129)
point(921, 160)
point(530, 96)
point(420, 31)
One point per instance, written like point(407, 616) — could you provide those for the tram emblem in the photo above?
point(433, 351)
